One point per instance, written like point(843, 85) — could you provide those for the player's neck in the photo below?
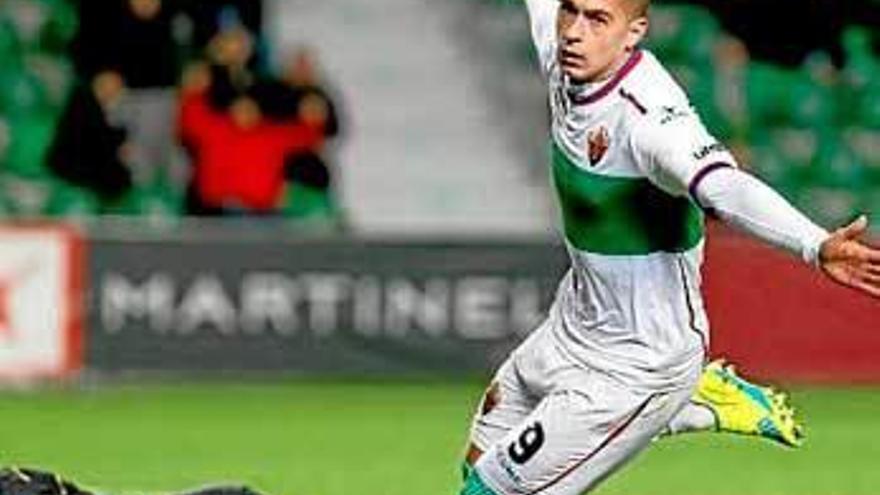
point(607, 74)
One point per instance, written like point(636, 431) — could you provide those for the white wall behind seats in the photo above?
point(422, 152)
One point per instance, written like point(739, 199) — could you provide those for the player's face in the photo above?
point(596, 36)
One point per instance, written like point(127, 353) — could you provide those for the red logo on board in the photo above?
point(8, 283)
point(598, 141)
point(5, 320)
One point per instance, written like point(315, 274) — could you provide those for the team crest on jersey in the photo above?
point(598, 141)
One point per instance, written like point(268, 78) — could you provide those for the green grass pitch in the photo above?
point(371, 438)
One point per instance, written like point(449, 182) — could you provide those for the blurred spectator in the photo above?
point(210, 17)
point(229, 54)
point(135, 39)
point(300, 95)
point(88, 149)
point(238, 155)
point(131, 37)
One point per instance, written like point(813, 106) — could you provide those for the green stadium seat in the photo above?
point(30, 138)
point(309, 203)
point(867, 107)
point(864, 143)
point(69, 201)
point(870, 202)
point(860, 102)
point(810, 103)
point(767, 89)
point(861, 64)
point(829, 206)
point(783, 157)
point(780, 97)
point(55, 76)
point(683, 33)
point(699, 82)
point(152, 202)
point(21, 93)
point(798, 145)
point(10, 49)
point(25, 196)
point(60, 27)
point(6, 210)
point(835, 164)
point(848, 111)
point(769, 164)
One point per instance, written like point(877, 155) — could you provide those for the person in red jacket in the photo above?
point(238, 156)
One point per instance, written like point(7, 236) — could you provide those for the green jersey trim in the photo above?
point(621, 215)
point(474, 485)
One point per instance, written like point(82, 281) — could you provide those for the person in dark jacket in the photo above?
point(300, 94)
point(88, 150)
point(131, 37)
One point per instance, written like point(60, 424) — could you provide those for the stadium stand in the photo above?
point(85, 132)
point(426, 153)
point(811, 129)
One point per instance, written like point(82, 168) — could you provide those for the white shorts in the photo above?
point(549, 426)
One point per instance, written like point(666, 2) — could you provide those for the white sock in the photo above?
point(693, 418)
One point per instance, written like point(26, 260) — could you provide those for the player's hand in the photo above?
point(849, 261)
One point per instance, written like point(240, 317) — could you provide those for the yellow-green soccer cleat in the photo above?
point(745, 408)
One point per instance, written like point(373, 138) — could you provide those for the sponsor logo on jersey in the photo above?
point(598, 141)
point(671, 114)
point(508, 467)
point(709, 149)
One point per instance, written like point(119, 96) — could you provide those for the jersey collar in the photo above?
point(612, 83)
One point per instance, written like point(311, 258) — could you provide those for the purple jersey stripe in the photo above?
point(602, 92)
point(702, 174)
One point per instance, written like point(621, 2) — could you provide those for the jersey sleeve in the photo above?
point(673, 149)
point(747, 203)
point(676, 153)
point(542, 17)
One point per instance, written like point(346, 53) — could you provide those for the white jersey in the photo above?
point(621, 350)
point(625, 153)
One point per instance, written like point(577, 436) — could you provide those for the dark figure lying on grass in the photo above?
point(22, 481)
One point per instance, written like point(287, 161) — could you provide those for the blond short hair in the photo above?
point(639, 8)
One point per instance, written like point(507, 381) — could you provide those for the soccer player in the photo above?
point(619, 359)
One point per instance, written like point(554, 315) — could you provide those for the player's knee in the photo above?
point(473, 455)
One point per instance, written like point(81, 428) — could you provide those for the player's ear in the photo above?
point(638, 29)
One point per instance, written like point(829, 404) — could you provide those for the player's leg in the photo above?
point(505, 404)
point(725, 402)
point(514, 392)
point(573, 440)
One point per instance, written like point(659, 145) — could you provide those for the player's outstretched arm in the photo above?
point(743, 200)
point(678, 155)
point(845, 259)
